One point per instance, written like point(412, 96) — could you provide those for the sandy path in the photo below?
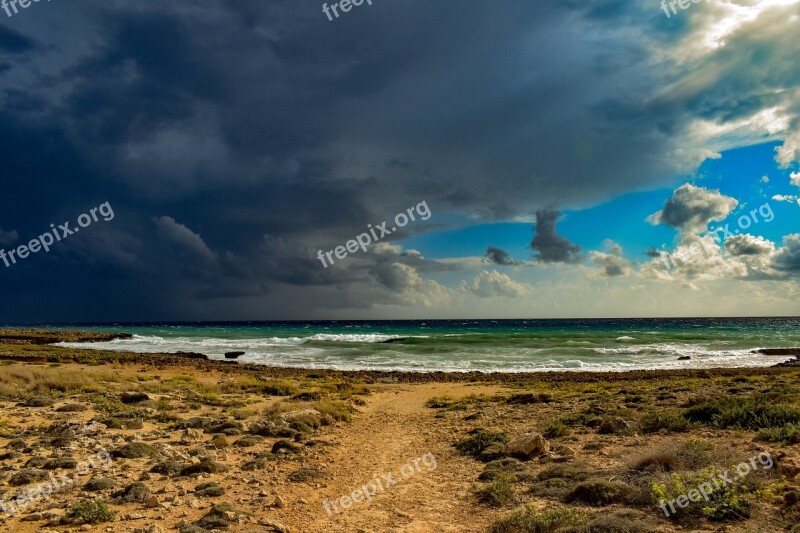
point(384, 437)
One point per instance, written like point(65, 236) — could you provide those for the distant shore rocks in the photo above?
point(777, 351)
point(233, 355)
point(684, 358)
point(192, 355)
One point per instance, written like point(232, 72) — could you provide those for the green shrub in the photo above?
point(788, 434)
point(499, 492)
point(728, 502)
point(654, 422)
point(279, 388)
point(529, 520)
point(556, 428)
point(753, 413)
point(91, 511)
point(479, 440)
point(599, 492)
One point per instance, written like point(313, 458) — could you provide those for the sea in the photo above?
point(469, 345)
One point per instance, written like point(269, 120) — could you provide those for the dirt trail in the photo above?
point(384, 437)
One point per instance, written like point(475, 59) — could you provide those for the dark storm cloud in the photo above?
point(691, 209)
point(547, 245)
point(255, 133)
point(653, 252)
point(14, 42)
point(499, 256)
point(788, 259)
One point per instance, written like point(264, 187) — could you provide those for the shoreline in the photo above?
point(47, 338)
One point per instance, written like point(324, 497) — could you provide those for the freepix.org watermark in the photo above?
point(704, 490)
point(723, 232)
point(683, 4)
point(57, 234)
point(344, 6)
point(9, 5)
point(365, 239)
point(42, 491)
point(379, 485)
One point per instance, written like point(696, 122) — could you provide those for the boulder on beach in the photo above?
point(527, 446)
point(233, 355)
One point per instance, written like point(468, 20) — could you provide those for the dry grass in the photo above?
point(22, 381)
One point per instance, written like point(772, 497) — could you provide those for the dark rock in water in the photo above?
point(393, 341)
point(777, 351)
point(790, 363)
point(684, 358)
point(233, 355)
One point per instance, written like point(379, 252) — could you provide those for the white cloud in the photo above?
point(488, 284)
point(613, 263)
point(786, 198)
point(794, 178)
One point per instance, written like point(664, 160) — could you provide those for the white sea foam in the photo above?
point(363, 352)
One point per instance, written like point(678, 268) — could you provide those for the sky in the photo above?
point(560, 159)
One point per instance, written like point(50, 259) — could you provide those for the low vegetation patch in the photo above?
point(499, 493)
point(529, 520)
point(91, 512)
point(754, 413)
point(479, 440)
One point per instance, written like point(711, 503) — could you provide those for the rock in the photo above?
point(279, 503)
point(233, 355)
point(192, 355)
point(684, 358)
point(151, 529)
point(152, 502)
point(133, 397)
point(527, 446)
point(286, 446)
point(277, 527)
point(191, 436)
point(220, 442)
point(777, 351)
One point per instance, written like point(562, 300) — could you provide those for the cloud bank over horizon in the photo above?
point(235, 139)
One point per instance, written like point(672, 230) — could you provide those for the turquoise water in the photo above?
point(466, 345)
